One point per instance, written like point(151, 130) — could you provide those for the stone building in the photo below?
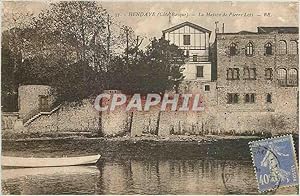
point(255, 91)
point(257, 74)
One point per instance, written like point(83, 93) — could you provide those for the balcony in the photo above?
point(197, 59)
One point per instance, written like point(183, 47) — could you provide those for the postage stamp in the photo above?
point(275, 162)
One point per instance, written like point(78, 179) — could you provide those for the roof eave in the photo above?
point(189, 24)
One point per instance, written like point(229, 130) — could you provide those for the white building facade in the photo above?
point(194, 40)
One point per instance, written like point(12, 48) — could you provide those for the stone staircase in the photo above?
point(36, 114)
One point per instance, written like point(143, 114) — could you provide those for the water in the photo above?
point(138, 177)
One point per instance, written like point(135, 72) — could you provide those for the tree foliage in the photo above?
point(75, 47)
point(9, 98)
point(154, 70)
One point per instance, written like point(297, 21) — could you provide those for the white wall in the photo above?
point(190, 71)
point(29, 98)
point(199, 46)
point(198, 39)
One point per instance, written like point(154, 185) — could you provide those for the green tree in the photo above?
point(164, 63)
point(8, 87)
point(65, 47)
point(70, 47)
point(155, 70)
point(76, 24)
point(81, 33)
point(67, 78)
point(11, 57)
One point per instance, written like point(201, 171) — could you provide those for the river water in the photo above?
point(146, 176)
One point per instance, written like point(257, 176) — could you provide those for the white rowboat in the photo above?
point(48, 162)
point(55, 172)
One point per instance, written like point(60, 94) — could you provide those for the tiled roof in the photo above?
point(278, 29)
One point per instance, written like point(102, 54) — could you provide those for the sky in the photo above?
point(236, 16)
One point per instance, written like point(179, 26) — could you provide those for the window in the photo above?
point(292, 78)
point(268, 73)
point(187, 53)
point(268, 49)
point(233, 49)
point(293, 47)
point(250, 98)
point(249, 49)
point(233, 74)
point(252, 73)
point(43, 103)
point(282, 77)
point(282, 47)
point(287, 77)
point(232, 98)
point(229, 73)
point(246, 73)
point(207, 88)
point(249, 73)
point(235, 98)
point(199, 72)
point(195, 57)
point(186, 40)
point(229, 98)
point(247, 98)
point(269, 98)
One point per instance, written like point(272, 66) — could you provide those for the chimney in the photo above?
point(223, 28)
point(170, 21)
point(217, 29)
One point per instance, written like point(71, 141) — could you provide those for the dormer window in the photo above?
point(233, 49)
point(186, 40)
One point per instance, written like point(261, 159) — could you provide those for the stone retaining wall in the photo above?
point(213, 120)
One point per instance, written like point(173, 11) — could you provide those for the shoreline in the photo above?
point(27, 136)
point(145, 147)
point(144, 137)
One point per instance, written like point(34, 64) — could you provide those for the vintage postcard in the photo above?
point(149, 97)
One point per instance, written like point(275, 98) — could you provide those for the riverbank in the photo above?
point(145, 147)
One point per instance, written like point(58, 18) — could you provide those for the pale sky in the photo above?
point(282, 14)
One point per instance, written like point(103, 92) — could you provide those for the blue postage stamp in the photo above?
point(275, 162)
